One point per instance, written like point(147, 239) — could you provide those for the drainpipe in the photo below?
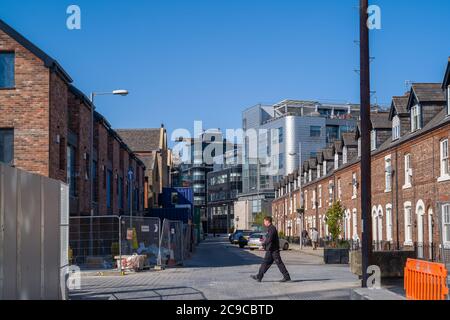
point(396, 198)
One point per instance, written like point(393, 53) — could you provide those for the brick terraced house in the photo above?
point(45, 125)
point(410, 178)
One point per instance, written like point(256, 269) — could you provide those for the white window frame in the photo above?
point(330, 193)
point(396, 127)
point(306, 199)
point(416, 118)
point(446, 225)
point(313, 200)
point(373, 140)
point(355, 224)
point(319, 169)
point(336, 161)
point(339, 189)
point(359, 147)
point(310, 175)
point(389, 224)
point(354, 186)
point(408, 171)
point(320, 196)
point(408, 223)
point(388, 174)
point(444, 161)
point(448, 100)
point(344, 155)
point(347, 225)
point(324, 167)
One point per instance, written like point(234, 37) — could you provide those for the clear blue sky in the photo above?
point(186, 60)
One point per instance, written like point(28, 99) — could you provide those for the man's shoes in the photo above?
point(286, 280)
point(256, 278)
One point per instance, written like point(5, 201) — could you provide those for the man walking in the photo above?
point(272, 247)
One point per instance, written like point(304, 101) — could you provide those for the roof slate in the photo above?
point(428, 92)
point(141, 140)
point(349, 139)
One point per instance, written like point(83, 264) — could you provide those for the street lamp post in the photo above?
point(91, 164)
point(91, 156)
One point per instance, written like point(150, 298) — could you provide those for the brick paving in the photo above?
point(220, 271)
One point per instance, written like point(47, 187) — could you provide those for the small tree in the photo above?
point(334, 219)
point(258, 222)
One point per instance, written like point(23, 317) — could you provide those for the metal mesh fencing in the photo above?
point(141, 236)
point(94, 242)
point(113, 242)
point(171, 249)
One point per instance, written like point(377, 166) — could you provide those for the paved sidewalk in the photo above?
point(306, 250)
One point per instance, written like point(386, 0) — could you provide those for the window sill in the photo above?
point(387, 191)
point(407, 186)
point(354, 197)
point(443, 178)
point(408, 243)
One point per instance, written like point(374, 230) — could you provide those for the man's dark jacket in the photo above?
point(272, 242)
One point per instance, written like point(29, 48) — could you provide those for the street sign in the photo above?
point(130, 233)
point(130, 174)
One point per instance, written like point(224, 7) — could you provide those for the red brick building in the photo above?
point(151, 146)
point(45, 125)
point(410, 176)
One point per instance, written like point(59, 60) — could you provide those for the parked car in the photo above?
point(245, 234)
point(257, 239)
point(232, 236)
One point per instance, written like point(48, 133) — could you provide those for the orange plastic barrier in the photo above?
point(425, 280)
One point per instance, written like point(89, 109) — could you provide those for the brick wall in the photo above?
point(425, 189)
point(26, 109)
point(102, 156)
point(58, 128)
point(79, 120)
point(45, 113)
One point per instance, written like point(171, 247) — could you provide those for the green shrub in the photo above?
point(334, 220)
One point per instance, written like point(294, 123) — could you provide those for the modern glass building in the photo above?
point(281, 137)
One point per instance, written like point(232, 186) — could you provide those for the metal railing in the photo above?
point(433, 252)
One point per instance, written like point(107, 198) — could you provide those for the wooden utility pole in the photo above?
point(366, 198)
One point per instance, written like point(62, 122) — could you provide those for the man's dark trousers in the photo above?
point(269, 259)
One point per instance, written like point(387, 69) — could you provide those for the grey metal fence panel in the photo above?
point(171, 244)
point(50, 225)
point(64, 239)
point(30, 247)
point(141, 235)
point(94, 242)
point(8, 209)
point(28, 237)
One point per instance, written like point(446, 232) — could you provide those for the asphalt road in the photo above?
point(219, 271)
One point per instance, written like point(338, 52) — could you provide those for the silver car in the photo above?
point(257, 239)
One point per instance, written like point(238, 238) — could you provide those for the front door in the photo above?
point(430, 234)
point(420, 229)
